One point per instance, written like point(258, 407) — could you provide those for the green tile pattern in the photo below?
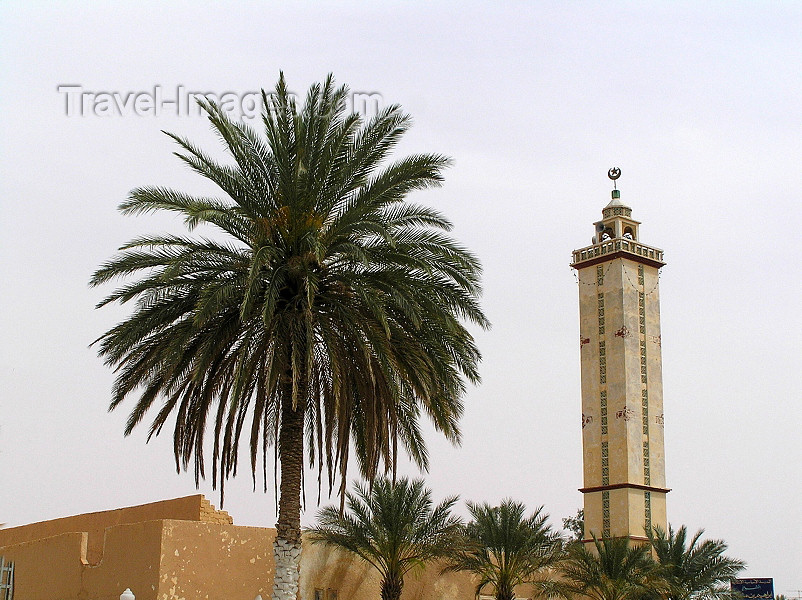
point(604, 412)
point(601, 314)
point(602, 363)
point(642, 312)
point(645, 405)
point(605, 456)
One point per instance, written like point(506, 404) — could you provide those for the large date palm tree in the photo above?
point(394, 526)
point(321, 311)
point(611, 569)
point(504, 548)
point(694, 569)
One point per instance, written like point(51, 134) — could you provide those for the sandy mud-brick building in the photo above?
point(185, 549)
point(172, 549)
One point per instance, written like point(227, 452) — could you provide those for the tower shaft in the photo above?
point(622, 392)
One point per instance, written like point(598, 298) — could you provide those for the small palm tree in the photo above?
point(693, 569)
point(504, 548)
point(615, 571)
point(391, 525)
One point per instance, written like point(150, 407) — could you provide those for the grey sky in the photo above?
point(701, 107)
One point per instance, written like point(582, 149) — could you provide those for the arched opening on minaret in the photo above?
point(628, 233)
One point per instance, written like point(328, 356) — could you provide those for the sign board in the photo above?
point(754, 588)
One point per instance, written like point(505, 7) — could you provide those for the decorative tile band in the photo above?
point(606, 514)
point(605, 457)
point(604, 412)
point(647, 497)
point(643, 361)
point(642, 311)
point(617, 211)
point(601, 314)
point(602, 363)
point(640, 274)
point(645, 407)
point(647, 472)
point(647, 476)
point(599, 275)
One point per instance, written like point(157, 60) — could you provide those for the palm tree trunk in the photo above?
point(392, 586)
point(505, 593)
point(287, 546)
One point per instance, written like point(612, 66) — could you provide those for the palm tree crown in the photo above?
point(393, 526)
point(325, 310)
point(616, 570)
point(504, 548)
point(693, 569)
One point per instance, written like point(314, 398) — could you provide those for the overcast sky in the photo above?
point(700, 107)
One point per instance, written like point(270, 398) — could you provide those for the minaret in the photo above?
point(622, 386)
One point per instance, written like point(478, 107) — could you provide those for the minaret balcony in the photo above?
point(617, 248)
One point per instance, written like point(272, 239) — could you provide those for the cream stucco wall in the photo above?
point(183, 549)
point(95, 556)
point(326, 568)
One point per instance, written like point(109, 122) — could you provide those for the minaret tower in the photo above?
point(622, 387)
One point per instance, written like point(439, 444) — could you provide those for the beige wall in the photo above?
point(326, 568)
point(176, 549)
point(183, 549)
point(50, 570)
point(189, 508)
point(215, 562)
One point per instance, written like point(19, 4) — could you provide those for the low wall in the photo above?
point(324, 568)
point(184, 549)
point(214, 562)
point(189, 508)
point(158, 560)
point(174, 549)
